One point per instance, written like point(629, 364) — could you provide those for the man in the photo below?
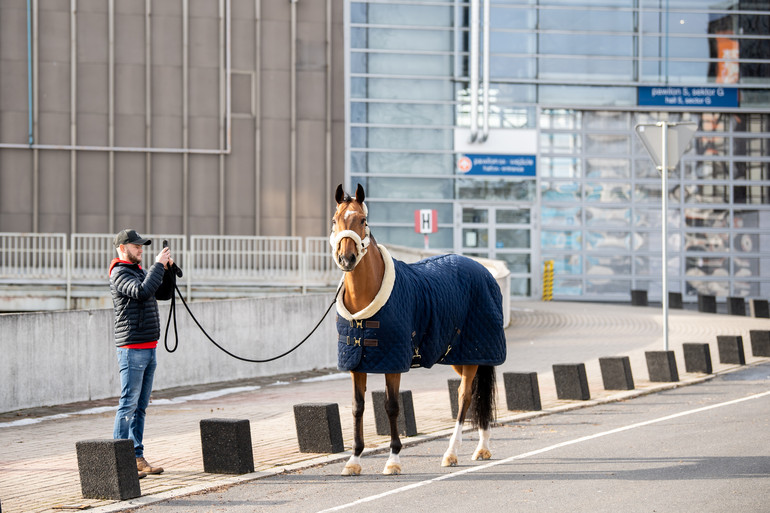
point(137, 330)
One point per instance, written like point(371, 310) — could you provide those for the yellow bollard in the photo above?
point(547, 280)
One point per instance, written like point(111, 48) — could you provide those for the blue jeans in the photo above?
point(137, 368)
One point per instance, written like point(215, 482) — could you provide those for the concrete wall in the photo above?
point(54, 358)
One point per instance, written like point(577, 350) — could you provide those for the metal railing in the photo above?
point(209, 261)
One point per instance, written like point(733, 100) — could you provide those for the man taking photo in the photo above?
point(137, 329)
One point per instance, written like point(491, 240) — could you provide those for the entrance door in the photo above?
point(502, 233)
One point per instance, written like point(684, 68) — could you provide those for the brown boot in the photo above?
point(142, 474)
point(143, 466)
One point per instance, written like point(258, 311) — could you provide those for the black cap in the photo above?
point(130, 237)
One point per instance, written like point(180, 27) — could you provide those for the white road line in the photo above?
point(540, 451)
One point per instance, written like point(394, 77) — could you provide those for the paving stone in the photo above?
point(108, 469)
point(731, 349)
point(318, 427)
point(226, 446)
point(407, 426)
point(697, 357)
point(616, 373)
point(760, 342)
point(522, 391)
point(707, 303)
point(661, 366)
point(571, 382)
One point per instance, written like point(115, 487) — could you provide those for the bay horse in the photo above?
point(392, 316)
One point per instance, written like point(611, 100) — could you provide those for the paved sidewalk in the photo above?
point(38, 466)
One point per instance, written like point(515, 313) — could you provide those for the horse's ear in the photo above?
point(360, 194)
point(340, 194)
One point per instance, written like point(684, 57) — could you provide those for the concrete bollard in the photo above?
point(571, 381)
point(108, 469)
point(616, 373)
point(639, 297)
point(675, 301)
point(736, 306)
point(759, 308)
point(226, 446)
point(522, 391)
point(760, 342)
point(407, 425)
point(707, 303)
point(697, 357)
point(318, 427)
point(454, 385)
point(661, 366)
point(731, 349)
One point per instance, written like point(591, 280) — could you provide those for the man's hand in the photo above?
point(164, 257)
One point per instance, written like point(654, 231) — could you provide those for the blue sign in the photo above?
point(497, 165)
point(675, 96)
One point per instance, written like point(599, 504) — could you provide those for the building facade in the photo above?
point(192, 117)
point(515, 120)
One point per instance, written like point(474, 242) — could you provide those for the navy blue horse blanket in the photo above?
point(445, 309)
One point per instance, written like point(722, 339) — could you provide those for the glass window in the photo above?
point(608, 216)
point(402, 64)
point(403, 113)
point(517, 263)
point(400, 163)
point(512, 216)
point(402, 212)
point(706, 170)
point(555, 142)
point(506, 238)
point(607, 120)
point(561, 119)
point(567, 287)
point(607, 241)
point(558, 216)
point(584, 44)
point(706, 193)
point(751, 170)
point(559, 167)
point(587, 95)
point(475, 215)
point(492, 190)
point(402, 138)
point(402, 39)
point(504, 67)
point(706, 218)
point(581, 68)
point(507, 18)
point(570, 240)
point(560, 191)
point(511, 42)
point(407, 237)
point(475, 238)
point(401, 14)
point(401, 89)
point(751, 147)
point(407, 188)
point(608, 168)
point(585, 19)
point(752, 194)
point(644, 168)
point(608, 192)
point(646, 218)
point(608, 143)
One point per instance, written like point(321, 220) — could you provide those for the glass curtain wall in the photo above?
point(573, 70)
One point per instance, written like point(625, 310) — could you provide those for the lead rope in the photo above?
point(172, 312)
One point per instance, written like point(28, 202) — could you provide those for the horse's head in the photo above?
point(350, 233)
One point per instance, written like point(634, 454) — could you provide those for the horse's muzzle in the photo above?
point(347, 262)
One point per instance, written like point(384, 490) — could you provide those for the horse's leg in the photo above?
point(353, 466)
point(484, 410)
point(467, 373)
point(392, 384)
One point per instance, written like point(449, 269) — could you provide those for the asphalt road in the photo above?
point(701, 448)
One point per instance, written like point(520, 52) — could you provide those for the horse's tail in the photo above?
point(483, 393)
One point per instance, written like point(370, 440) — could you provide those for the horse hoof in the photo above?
point(450, 460)
point(391, 470)
point(351, 470)
point(482, 454)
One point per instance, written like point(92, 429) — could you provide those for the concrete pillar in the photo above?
point(616, 373)
point(697, 357)
point(318, 427)
point(571, 381)
point(108, 469)
point(226, 446)
point(731, 349)
point(407, 425)
point(661, 366)
point(522, 391)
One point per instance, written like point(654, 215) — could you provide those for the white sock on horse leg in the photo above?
point(393, 465)
point(353, 466)
point(482, 451)
point(450, 456)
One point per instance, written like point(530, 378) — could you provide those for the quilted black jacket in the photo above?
point(134, 296)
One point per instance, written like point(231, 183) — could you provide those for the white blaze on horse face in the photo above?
point(349, 213)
